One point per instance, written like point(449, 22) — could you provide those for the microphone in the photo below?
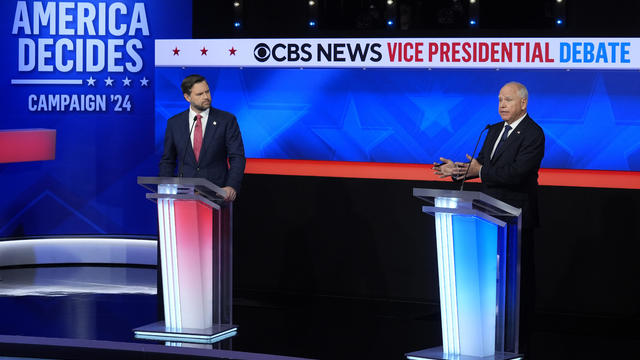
point(186, 146)
point(472, 155)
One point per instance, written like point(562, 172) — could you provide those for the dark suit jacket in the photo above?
point(221, 141)
point(512, 174)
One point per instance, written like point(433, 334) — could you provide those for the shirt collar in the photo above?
point(516, 123)
point(192, 114)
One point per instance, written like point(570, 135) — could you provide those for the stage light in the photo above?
point(236, 4)
point(311, 2)
point(389, 2)
point(473, 22)
point(236, 24)
point(559, 22)
point(312, 23)
point(390, 22)
point(472, 1)
point(558, 1)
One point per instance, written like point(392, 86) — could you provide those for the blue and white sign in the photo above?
point(85, 69)
point(416, 53)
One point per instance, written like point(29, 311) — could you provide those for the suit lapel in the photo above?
point(492, 136)
point(513, 139)
point(209, 133)
point(186, 134)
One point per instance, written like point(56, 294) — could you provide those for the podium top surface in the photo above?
point(182, 185)
point(469, 199)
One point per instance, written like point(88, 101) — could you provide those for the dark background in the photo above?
point(423, 18)
point(361, 252)
point(340, 268)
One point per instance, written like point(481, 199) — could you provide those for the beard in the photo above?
point(201, 107)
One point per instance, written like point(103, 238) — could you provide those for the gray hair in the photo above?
point(522, 90)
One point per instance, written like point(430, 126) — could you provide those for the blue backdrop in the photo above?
point(90, 187)
point(414, 116)
point(377, 115)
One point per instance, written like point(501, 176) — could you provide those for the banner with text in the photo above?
point(521, 53)
point(86, 70)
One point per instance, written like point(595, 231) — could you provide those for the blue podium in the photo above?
point(478, 249)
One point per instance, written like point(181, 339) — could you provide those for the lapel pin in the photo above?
point(517, 131)
point(214, 123)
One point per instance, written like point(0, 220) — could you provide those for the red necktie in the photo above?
point(197, 137)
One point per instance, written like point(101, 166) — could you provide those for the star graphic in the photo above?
point(176, 51)
point(353, 141)
point(203, 51)
point(264, 120)
point(435, 109)
point(232, 51)
point(108, 81)
point(597, 141)
point(46, 199)
point(126, 81)
point(91, 81)
point(144, 81)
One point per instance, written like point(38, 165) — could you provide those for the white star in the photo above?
point(126, 81)
point(144, 81)
point(352, 140)
point(91, 81)
point(108, 81)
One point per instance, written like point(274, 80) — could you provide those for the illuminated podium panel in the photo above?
point(195, 240)
point(478, 249)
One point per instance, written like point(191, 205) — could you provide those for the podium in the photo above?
point(195, 239)
point(478, 250)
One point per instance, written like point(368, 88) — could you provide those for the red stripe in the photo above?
point(368, 170)
point(27, 145)
point(591, 178)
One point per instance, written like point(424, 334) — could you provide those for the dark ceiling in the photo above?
point(368, 18)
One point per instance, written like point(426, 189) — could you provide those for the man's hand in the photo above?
point(446, 168)
point(461, 168)
point(231, 193)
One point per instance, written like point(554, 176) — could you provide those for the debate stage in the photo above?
point(87, 311)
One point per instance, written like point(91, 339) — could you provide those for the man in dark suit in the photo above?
point(507, 166)
point(510, 157)
point(204, 141)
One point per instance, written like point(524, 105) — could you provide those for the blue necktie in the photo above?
point(503, 139)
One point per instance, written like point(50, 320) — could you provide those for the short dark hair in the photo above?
point(189, 81)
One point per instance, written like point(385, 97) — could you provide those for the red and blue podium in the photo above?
point(195, 239)
point(478, 249)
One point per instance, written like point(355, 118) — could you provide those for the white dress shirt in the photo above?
point(513, 126)
point(192, 120)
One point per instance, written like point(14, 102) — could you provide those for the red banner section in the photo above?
point(27, 145)
point(548, 177)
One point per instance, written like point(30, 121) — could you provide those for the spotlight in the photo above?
point(236, 24)
point(472, 1)
point(559, 22)
point(558, 1)
point(473, 22)
point(389, 2)
point(236, 4)
point(390, 22)
point(311, 2)
point(312, 23)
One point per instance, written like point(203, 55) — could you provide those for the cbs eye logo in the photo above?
point(262, 52)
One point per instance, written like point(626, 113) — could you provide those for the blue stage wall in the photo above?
point(101, 147)
point(109, 104)
point(415, 116)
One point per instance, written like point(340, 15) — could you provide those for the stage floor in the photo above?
point(106, 303)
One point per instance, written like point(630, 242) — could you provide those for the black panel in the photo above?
point(363, 238)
